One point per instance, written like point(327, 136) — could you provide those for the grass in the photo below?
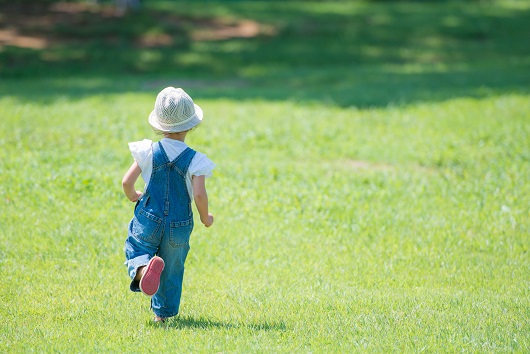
point(362, 203)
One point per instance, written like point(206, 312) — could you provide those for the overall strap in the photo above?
point(183, 161)
point(159, 155)
point(179, 166)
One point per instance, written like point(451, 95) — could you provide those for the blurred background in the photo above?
point(348, 53)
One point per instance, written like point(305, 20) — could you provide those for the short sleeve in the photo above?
point(142, 152)
point(201, 165)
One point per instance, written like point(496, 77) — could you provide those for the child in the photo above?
point(159, 233)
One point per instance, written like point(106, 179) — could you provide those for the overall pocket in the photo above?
point(145, 226)
point(180, 231)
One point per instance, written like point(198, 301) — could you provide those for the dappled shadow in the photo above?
point(88, 39)
point(359, 87)
point(186, 322)
point(347, 54)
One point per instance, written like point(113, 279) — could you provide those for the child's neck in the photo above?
point(176, 136)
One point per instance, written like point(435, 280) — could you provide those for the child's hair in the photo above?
point(159, 132)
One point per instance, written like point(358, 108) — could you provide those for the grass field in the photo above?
point(371, 192)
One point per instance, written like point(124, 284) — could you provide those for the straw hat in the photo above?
point(174, 111)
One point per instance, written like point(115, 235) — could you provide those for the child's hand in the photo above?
point(209, 221)
point(138, 196)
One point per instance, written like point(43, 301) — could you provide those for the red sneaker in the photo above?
point(151, 279)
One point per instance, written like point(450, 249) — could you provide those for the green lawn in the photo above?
point(371, 193)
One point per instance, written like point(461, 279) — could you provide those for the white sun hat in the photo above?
point(174, 111)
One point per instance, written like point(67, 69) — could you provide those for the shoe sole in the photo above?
point(151, 279)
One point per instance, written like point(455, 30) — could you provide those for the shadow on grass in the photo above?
point(189, 322)
point(361, 87)
point(346, 54)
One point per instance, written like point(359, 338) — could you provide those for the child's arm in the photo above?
point(128, 181)
point(201, 200)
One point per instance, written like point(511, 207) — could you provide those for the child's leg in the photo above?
point(139, 273)
point(166, 302)
point(138, 254)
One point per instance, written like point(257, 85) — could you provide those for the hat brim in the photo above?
point(189, 124)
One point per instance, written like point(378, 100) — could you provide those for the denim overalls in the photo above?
point(162, 225)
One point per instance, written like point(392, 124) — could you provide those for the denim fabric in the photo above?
point(162, 225)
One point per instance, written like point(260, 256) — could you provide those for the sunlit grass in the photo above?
point(370, 193)
point(401, 228)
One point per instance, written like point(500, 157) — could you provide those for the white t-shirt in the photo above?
point(142, 152)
